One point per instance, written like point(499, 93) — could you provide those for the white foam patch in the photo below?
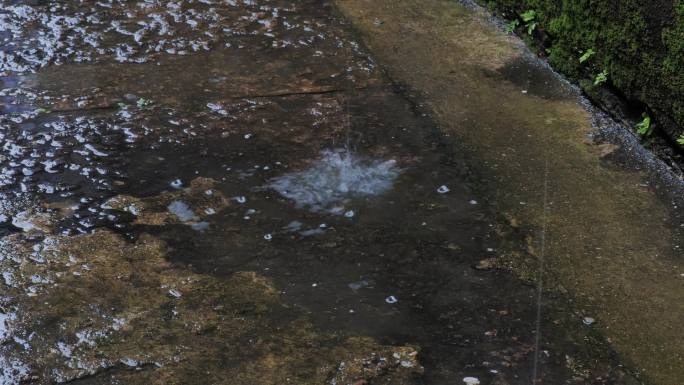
point(12, 371)
point(335, 178)
point(181, 210)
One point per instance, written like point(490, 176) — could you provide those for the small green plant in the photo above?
point(586, 55)
point(680, 140)
point(645, 128)
point(512, 25)
point(529, 18)
point(601, 78)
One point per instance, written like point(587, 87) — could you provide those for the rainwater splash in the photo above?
point(336, 177)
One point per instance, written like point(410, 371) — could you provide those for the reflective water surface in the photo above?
point(234, 192)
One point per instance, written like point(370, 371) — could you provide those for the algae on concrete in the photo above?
point(106, 309)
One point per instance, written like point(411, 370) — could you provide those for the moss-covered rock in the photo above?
point(640, 44)
point(103, 309)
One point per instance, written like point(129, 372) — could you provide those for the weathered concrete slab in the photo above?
point(613, 242)
point(234, 192)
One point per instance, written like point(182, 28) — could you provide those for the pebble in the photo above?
point(443, 189)
point(588, 321)
point(471, 381)
point(391, 299)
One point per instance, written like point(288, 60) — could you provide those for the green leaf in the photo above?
point(586, 55)
point(512, 25)
point(531, 27)
point(528, 16)
point(601, 78)
point(680, 140)
point(644, 128)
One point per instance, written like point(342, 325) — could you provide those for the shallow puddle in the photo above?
point(233, 192)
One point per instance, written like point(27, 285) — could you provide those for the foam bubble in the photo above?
point(338, 176)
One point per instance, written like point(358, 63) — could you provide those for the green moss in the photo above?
point(673, 64)
point(112, 310)
point(639, 44)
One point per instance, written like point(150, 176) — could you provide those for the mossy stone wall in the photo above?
point(640, 43)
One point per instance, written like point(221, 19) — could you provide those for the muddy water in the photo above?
point(613, 239)
point(232, 192)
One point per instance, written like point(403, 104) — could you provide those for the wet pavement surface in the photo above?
point(234, 192)
point(612, 223)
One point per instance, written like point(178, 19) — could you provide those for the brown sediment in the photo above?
point(201, 197)
point(102, 309)
point(610, 239)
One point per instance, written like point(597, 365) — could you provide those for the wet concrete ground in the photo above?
point(613, 218)
point(234, 192)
